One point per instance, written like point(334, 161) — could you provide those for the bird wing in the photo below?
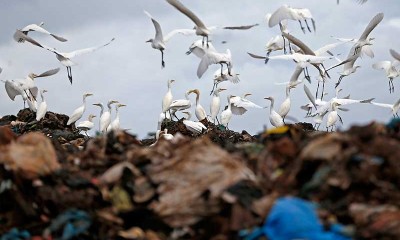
point(180, 7)
point(245, 103)
point(208, 59)
point(296, 74)
point(20, 35)
point(12, 89)
point(385, 105)
point(245, 27)
point(34, 91)
point(184, 32)
point(346, 101)
point(327, 48)
point(238, 110)
point(298, 43)
point(193, 126)
point(279, 15)
point(385, 65)
point(349, 62)
point(283, 57)
point(85, 50)
point(256, 56)
point(48, 73)
point(367, 50)
point(397, 103)
point(395, 54)
point(354, 40)
point(310, 96)
point(76, 115)
point(159, 35)
point(371, 25)
point(37, 28)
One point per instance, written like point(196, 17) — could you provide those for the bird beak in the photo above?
point(89, 94)
point(222, 89)
point(148, 40)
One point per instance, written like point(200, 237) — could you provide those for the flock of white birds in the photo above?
point(288, 46)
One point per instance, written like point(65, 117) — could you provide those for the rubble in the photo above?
point(57, 183)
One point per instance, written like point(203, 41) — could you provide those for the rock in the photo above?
point(6, 136)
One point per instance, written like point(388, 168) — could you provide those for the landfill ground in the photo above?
point(57, 183)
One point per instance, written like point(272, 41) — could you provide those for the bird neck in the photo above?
point(42, 96)
point(272, 105)
point(197, 98)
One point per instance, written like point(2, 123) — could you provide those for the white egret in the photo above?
point(105, 118)
point(297, 14)
point(64, 58)
point(32, 103)
point(390, 70)
point(198, 48)
point(36, 28)
point(395, 54)
point(332, 117)
point(201, 29)
point(393, 107)
point(42, 109)
point(159, 41)
point(199, 111)
point(241, 104)
point(77, 114)
point(115, 125)
point(167, 100)
point(348, 66)
point(86, 125)
point(101, 110)
point(180, 104)
point(275, 119)
point(194, 127)
point(225, 76)
point(215, 58)
point(226, 115)
point(215, 104)
point(285, 106)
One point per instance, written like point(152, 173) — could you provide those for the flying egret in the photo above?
point(180, 104)
point(194, 127)
point(159, 41)
point(393, 107)
point(42, 109)
point(35, 28)
point(390, 70)
point(297, 14)
point(32, 103)
point(26, 85)
point(332, 117)
point(86, 125)
point(201, 29)
point(275, 119)
point(285, 106)
point(241, 104)
point(215, 58)
point(218, 78)
point(200, 112)
point(64, 58)
point(226, 115)
point(167, 100)
point(105, 118)
point(115, 125)
point(101, 110)
point(198, 49)
point(215, 104)
point(77, 114)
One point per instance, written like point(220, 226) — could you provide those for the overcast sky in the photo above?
point(128, 70)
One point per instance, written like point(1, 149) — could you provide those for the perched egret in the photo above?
point(393, 107)
point(159, 41)
point(194, 127)
point(42, 109)
point(201, 29)
point(285, 106)
point(77, 114)
point(64, 58)
point(200, 112)
point(115, 125)
point(101, 110)
point(215, 104)
point(215, 58)
point(241, 104)
point(390, 70)
point(274, 117)
point(86, 125)
point(180, 104)
point(332, 117)
point(226, 115)
point(167, 100)
point(105, 118)
point(297, 14)
point(36, 28)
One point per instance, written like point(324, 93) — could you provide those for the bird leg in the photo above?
point(162, 59)
point(189, 52)
point(316, 93)
point(340, 119)
point(229, 69)
point(340, 79)
point(222, 66)
point(391, 85)
point(267, 56)
point(308, 27)
point(302, 28)
point(306, 74)
point(69, 71)
point(214, 85)
point(323, 89)
point(284, 45)
point(207, 41)
point(32, 95)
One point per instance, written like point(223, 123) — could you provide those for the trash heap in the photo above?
point(285, 183)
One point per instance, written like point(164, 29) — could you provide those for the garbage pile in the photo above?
point(286, 183)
